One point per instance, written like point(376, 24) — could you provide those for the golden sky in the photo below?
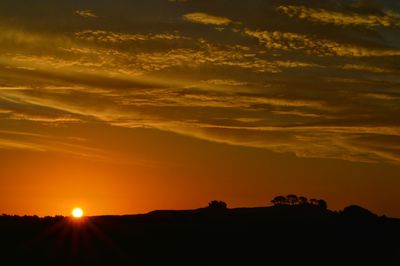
point(128, 106)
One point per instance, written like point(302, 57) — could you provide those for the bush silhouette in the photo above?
point(217, 205)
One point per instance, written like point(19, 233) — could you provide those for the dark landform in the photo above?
point(292, 232)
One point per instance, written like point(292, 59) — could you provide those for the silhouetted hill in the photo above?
point(355, 212)
point(278, 235)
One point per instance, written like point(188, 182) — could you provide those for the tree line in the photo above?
point(293, 200)
point(289, 200)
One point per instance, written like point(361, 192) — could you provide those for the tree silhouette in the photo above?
point(279, 200)
point(217, 205)
point(314, 202)
point(322, 204)
point(303, 200)
point(292, 199)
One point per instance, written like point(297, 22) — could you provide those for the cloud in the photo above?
point(206, 19)
point(223, 100)
point(113, 61)
point(381, 96)
point(42, 118)
point(20, 140)
point(86, 13)
point(296, 113)
point(6, 144)
point(339, 18)
point(344, 143)
point(219, 55)
point(116, 37)
point(367, 68)
point(223, 119)
point(321, 92)
point(288, 41)
point(223, 82)
point(51, 61)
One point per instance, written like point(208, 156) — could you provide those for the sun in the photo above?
point(77, 212)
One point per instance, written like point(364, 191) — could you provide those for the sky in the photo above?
point(121, 106)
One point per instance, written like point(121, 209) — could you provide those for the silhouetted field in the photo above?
point(278, 235)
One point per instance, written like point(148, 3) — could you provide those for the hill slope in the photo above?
point(280, 235)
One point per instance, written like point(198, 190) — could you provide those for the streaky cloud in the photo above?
point(320, 15)
point(86, 13)
point(288, 41)
point(207, 19)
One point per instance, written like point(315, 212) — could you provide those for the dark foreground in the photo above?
point(280, 235)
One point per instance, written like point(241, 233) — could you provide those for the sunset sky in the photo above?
point(126, 106)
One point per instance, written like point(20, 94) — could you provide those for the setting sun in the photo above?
point(77, 213)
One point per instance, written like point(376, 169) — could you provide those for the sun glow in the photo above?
point(77, 212)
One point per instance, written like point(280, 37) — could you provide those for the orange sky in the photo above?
point(124, 107)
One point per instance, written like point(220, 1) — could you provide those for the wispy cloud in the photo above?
point(19, 140)
point(339, 18)
point(36, 117)
point(117, 37)
point(207, 19)
point(324, 91)
point(362, 67)
point(298, 42)
point(223, 82)
point(86, 13)
point(381, 96)
point(345, 143)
